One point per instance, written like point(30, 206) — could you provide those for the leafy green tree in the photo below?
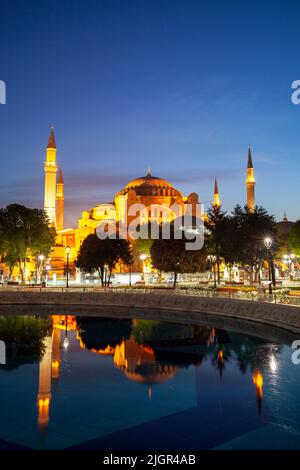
point(171, 255)
point(250, 228)
point(24, 232)
point(102, 256)
point(23, 336)
point(294, 239)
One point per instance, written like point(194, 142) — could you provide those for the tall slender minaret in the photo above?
point(60, 199)
point(250, 183)
point(50, 169)
point(216, 202)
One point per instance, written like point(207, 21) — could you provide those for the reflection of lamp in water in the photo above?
point(68, 251)
point(220, 362)
point(66, 341)
point(273, 363)
point(258, 382)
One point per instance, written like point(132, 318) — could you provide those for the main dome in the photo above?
point(151, 186)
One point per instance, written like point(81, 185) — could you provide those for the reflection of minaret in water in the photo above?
point(258, 382)
point(44, 395)
point(56, 335)
point(49, 369)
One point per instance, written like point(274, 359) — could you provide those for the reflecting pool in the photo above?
point(94, 382)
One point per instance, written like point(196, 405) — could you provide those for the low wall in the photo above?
point(189, 307)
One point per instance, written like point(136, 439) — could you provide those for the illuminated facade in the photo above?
point(152, 192)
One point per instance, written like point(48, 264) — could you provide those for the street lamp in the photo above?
point(105, 275)
point(268, 244)
point(213, 259)
point(39, 271)
point(68, 251)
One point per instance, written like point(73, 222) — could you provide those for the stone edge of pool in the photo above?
point(281, 316)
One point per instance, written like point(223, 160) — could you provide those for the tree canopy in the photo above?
point(294, 239)
point(171, 255)
point(103, 255)
point(24, 232)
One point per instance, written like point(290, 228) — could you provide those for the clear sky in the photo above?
point(185, 85)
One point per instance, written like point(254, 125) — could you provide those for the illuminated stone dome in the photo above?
point(151, 186)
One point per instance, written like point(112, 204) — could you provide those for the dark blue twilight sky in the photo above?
point(183, 84)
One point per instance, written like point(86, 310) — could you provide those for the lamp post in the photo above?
point(68, 250)
point(268, 244)
point(130, 271)
point(40, 267)
point(213, 259)
point(105, 275)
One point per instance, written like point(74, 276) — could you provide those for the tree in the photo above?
point(171, 255)
point(102, 256)
point(215, 227)
point(24, 232)
point(294, 239)
point(250, 228)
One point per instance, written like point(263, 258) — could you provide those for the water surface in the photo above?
point(116, 383)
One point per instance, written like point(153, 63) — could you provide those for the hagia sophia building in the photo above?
point(147, 190)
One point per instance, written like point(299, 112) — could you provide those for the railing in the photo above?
point(209, 293)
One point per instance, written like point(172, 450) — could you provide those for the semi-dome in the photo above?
point(151, 186)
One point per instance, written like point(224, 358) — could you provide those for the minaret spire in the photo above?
point(51, 141)
point(216, 202)
point(250, 164)
point(250, 182)
point(149, 170)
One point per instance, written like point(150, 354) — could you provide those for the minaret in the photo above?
point(60, 200)
point(250, 183)
point(216, 202)
point(50, 169)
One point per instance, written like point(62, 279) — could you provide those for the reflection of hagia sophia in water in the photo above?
point(148, 360)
